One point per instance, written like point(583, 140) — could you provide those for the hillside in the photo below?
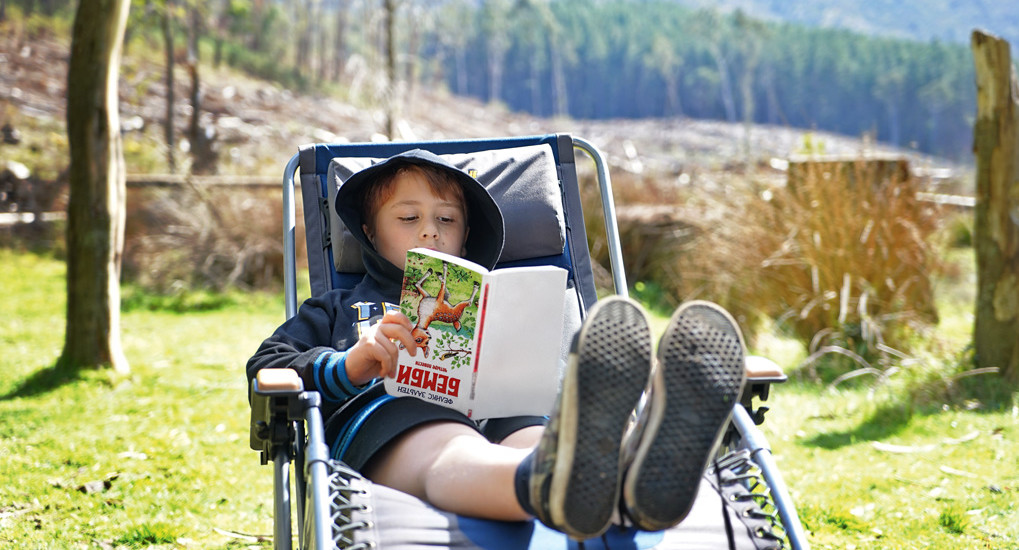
point(258, 125)
point(922, 20)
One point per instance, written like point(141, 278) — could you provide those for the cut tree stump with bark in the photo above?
point(996, 231)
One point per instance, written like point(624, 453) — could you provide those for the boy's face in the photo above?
point(413, 217)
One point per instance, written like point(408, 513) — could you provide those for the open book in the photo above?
point(488, 342)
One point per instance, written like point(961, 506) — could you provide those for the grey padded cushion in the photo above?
point(522, 180)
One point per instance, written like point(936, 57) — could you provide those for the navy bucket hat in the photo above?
point(484, 218)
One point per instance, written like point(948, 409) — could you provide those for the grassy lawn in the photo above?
point(160, 458)
point(157, 458)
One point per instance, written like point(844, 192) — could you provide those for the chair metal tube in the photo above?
point(609, 210)
point(317, 474)
point(281, 536)
point(289, 242)
point(760, 452)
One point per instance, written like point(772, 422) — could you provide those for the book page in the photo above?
point(520, 350)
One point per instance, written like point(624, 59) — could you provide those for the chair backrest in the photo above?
point(533, 179)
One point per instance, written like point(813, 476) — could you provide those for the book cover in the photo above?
point(488, 343)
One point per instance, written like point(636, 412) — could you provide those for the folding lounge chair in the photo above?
point(534, 180)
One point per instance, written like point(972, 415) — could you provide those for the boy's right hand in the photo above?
point(375, 353)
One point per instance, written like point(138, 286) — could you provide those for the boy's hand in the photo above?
point(375, 353)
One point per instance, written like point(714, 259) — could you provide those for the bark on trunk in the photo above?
point(392, 99)
point(168, 133)
point(995, 144)
point(95, 216)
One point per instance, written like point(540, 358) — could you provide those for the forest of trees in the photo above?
point(608, 59)
point(593, 59)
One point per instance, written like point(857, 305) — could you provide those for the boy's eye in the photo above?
point(408, 218)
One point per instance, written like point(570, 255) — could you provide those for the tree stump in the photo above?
point(996, 232)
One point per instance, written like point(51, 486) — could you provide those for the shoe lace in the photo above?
point(345, 484)
point(741, 483)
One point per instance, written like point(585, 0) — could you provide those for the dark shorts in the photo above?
point(366, 423)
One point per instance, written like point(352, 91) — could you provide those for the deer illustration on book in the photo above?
point(437, 307)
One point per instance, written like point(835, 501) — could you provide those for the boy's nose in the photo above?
point(429, 231)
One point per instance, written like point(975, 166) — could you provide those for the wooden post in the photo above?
point(996, 234)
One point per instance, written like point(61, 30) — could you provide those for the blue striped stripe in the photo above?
point(341, 374)
point(333, 387)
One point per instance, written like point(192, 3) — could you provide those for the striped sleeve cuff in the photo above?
point(330, 372)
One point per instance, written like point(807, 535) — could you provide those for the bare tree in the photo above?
point(95, 211)
point(996, 231)
point(708, 29)
point(752, 35)
point(171, 158)
point(495, 15)
point(392, 103)
point(340, 40)
point(664, 59)
point(259, 11)
point(203, 154)
point(222, 17)
point(302, 28)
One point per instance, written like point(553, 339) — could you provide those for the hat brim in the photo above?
point(486, 233)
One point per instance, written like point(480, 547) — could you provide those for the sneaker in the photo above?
point(574, 483)
point(696, 381)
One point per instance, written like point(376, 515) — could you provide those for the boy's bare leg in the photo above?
point(524, 438)
point(453, 468)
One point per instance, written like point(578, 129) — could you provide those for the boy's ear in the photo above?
point(368, 233)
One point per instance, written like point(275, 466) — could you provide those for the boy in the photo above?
point(572, 474)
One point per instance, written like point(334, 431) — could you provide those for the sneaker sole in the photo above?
point(701, 366)
point(607, 373)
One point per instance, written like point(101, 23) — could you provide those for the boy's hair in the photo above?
point(441, 182)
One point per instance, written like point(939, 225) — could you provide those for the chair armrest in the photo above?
point(275, 381)
point(271, 391)
point(761, 374)
point(761, 369)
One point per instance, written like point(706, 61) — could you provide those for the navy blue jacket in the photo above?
point(315, 340)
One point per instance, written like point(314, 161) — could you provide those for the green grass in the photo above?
point(866, 476)
point(160, 459)
point(157, 458)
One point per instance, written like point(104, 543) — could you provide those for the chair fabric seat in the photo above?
point(399, 521)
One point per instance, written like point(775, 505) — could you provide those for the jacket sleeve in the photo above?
point(305, 343)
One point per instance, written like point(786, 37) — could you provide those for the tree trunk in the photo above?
point(723, 81)
point(995, 144)
point(391, 79)
point(340, 41)
point(559, 92)
point(203, 154)
point(222, 24)
point(171, 157)
point(321, 47)
point(303, 29)
point(95, 211)
point(258, 11)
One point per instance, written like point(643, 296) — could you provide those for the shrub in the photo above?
point(839, 257)
point(849, 261)
point(203, 237)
